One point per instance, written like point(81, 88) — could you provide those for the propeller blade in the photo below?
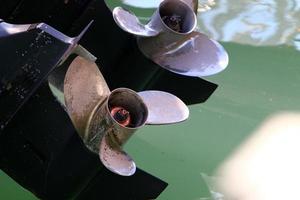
point(131, 24)
point(164, 108)
point(114, 159)
point(84, 89)
point(192, 55)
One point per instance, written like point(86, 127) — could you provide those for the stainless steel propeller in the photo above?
point(106, 120)
point(171, 40)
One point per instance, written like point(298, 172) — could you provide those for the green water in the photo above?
point(262, 78)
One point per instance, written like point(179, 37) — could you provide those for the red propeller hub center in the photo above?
point(121, 115)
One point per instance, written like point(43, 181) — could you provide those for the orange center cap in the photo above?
point(121, 115)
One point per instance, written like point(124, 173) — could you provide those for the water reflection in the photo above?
point(264, 22)
point(254, 22)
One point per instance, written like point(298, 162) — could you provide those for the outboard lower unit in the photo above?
point(39, 146)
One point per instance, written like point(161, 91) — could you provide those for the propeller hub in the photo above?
point(174, 22)
point(175, 15)
point(121, 115)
